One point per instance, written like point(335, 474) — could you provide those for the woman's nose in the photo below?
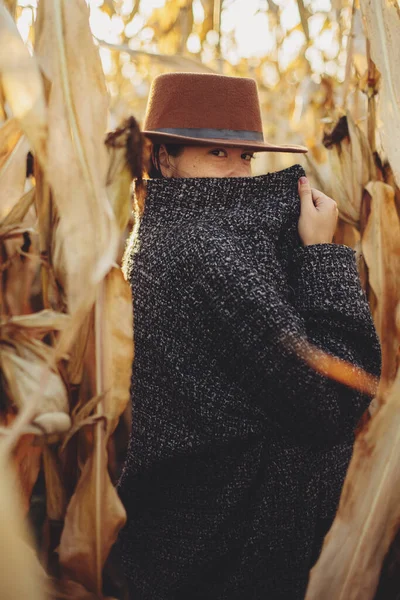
point(239, 169)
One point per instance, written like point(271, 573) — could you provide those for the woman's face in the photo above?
point(207, 161)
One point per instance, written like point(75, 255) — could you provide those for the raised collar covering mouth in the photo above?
point(262, 210)
point(219, 192)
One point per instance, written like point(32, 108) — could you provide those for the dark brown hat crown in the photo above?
point(205, 108)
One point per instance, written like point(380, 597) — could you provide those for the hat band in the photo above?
point(221, 134)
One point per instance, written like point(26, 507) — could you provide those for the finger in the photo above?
point(317, 194)
point(319, 198)
point(305, 193)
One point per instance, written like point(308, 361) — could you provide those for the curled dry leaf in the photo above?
point(21, 84)
point(36, 324)
point(382, 21)
point(381, 248)
point(369, 512)
point(50, 423)
point(24, 366)
point(94, 516)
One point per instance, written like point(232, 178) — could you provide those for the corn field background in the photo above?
point(71, 71)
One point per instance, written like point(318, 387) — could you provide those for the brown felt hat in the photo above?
point(203, 109)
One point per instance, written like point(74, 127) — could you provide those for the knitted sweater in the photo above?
point(238, 448)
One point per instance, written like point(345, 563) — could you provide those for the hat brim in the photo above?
point(165, 138)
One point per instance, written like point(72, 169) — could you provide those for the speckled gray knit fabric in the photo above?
point(238, 449)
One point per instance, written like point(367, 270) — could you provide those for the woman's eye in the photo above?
point(218, 152)
point(248, 157)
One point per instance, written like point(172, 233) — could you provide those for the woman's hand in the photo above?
point(318, 215)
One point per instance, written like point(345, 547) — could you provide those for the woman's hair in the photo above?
point(172, 150)
point(153, 171)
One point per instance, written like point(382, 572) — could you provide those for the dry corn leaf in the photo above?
point(116, 353)
point(11, 5)
point(81, 417)
point(27, 458)
point(94, 516)
point(369, 512)
point(22, 575)
point(352, 167)
point(382, 20)
point(171, 61)
point(346, 234)
point(19, 210)
point(77, 164)
point(56, 502)
point(21, 84)
point(118, 324)
point(22, 267)
point(304, 16)
point(381, 248)
point(77, 172)
point(50, 423)
point(364, 169)
point(86, 542)
point(15, 230)
point(119, 179)
point(47, 219)
point(24, 366)
point(14, 148)
point(68, 589)
point(36, 324)
point(359, 44)
point(10, 134)
point(76, 362)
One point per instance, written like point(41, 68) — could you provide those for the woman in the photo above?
point(240, 439)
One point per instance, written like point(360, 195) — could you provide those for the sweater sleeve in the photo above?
point(263, 337)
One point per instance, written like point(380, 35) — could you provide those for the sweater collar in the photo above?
point(217, 193)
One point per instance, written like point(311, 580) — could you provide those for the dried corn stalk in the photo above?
point(82, 205)
point(368, 514)
point(367, 519)
point(382, 20)
point(381, 248)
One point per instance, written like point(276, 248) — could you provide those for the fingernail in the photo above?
point(303, 180)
